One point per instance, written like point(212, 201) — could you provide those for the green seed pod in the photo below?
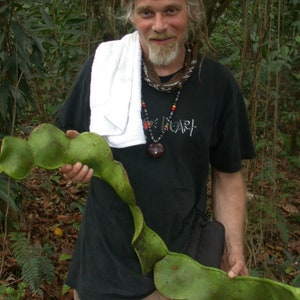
point(16, 158)
point(92, 151)
point(147, 244)
point(48, 145)
point(176, 276)
point(115, 175)
point(179, 277)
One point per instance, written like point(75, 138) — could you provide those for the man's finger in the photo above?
point(71, 133)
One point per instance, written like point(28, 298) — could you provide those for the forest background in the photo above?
point(43, 44)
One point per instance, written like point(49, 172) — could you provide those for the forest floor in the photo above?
point(51, 213)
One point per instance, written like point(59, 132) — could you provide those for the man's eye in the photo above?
point(146, 13)
point(171, 11)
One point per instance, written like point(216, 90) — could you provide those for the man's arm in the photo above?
point(229, 205)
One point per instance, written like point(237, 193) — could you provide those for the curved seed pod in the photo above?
point(115, 175)
point(52, 149)
point(16, 158)
point(180, 277)
point(49, 146)
point(147, 244)
point(176, 276)
point(85, 146)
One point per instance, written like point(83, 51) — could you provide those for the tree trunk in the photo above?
point(214, 9)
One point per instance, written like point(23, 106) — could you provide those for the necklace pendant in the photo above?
point(155, 150)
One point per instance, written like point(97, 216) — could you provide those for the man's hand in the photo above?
point(77, 173)
point(234, 265)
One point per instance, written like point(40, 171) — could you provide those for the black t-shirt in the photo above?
point(209, 127)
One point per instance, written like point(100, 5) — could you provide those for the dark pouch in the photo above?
point(206, 242)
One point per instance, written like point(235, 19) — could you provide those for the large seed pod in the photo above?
point(176, 276)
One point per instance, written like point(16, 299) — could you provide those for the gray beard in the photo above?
point(163, 55)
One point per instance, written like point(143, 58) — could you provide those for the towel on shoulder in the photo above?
point(115, 96)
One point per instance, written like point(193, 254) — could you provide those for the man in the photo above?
point(185, 116)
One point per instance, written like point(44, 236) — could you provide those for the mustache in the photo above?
point(162, 36)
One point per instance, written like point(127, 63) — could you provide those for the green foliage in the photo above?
point(109, 16)
point(42, 45)
point(291, 267)
point(11, 195)
point(9, 293)
point(259, 42)
point(20, 59)
point(7, 194)
point(65, 289)
point(64, 27)
point(12, 191)
point(64, 256)
point(35, 266)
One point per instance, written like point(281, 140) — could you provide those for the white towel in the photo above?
point(115, 97)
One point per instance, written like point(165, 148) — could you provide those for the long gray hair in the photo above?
point(198, 32)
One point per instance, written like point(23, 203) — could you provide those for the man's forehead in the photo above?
point(162, 2)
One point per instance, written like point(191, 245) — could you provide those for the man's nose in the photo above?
point(160, 23)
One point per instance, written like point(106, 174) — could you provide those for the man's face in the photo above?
point(162, 27)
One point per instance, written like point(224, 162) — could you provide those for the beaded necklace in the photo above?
point(179, 78)
point(156, 149)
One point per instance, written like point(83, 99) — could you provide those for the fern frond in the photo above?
point(282, 227)
point(35, 266)
point(20, 247)
point(47, 268)
point(31, 273)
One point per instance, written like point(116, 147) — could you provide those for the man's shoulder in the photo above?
point(212, 63)
point(213, 68)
